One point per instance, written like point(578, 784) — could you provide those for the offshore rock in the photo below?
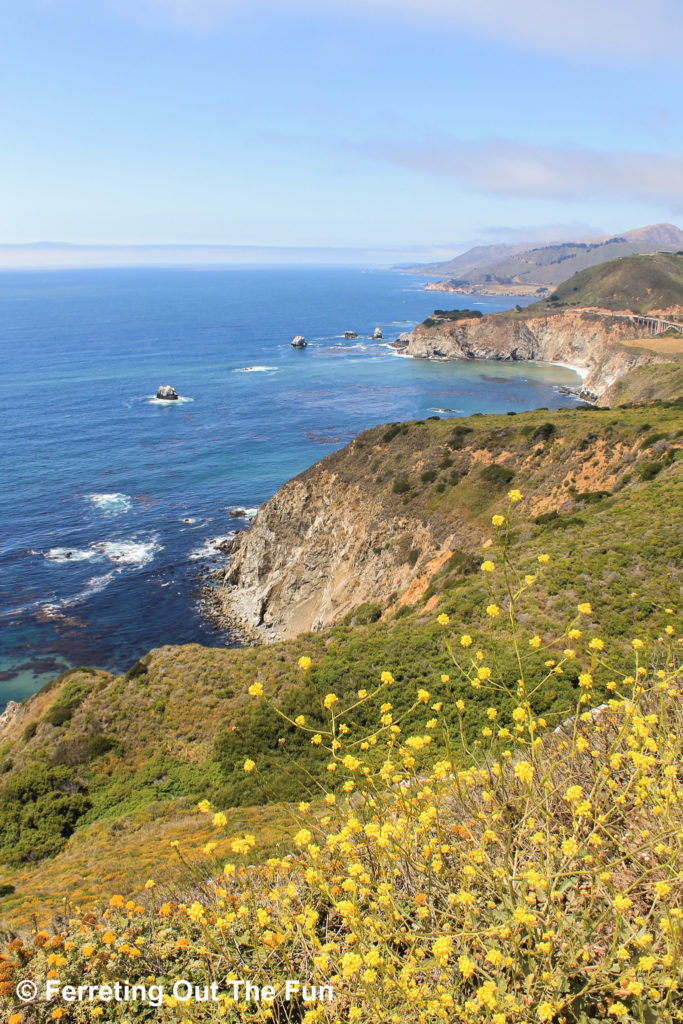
point(350, 334)
point(167, 393)
point(377, 334)
point(299, 341)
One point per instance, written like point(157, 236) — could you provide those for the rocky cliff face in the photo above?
point(379, 520)
point(320, 547)
point(587, 339)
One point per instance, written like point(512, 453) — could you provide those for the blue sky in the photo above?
point(345, 123)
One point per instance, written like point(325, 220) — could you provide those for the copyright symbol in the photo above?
point(27, 990)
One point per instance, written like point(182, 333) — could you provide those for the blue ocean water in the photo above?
point(113, 502)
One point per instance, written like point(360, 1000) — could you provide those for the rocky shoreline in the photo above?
point(587, 340)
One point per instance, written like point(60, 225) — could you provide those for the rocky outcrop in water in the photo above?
point(377, 334)
point(167, 393)
point(299, 341)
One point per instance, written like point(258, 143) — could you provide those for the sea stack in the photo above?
point(299, 341)
point(377, 334)
point(167, 393)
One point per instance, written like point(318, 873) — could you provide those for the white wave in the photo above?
point(449, 411)
point(211, 548)
point(249, 513)
point(111, 504)
point(124, 552)
point(129, 552)
point(356, 346)
point(402, 354)
point(256, 369)
point(71, 554)
point(180, 400)
point(53, 609)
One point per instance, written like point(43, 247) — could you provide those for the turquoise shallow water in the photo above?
point(112, 503)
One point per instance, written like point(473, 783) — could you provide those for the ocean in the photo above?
point(113, 503)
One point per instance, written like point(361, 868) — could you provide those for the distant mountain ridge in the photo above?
point(526, 269)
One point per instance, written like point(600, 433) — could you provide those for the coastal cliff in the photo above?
point(589, 339)
point(323, 545)
point(369, 530)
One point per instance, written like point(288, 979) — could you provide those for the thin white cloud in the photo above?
point(609, 29)
point(543, 172)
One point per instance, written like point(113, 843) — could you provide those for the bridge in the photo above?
point(654, 324)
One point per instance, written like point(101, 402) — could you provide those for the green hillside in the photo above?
point(93, 758)
point(636, 283)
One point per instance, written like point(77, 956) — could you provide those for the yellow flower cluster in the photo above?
point(487, 881)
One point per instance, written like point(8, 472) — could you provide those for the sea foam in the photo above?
point(125, 552)
point(211, 548)
point(180, 400)
point(94, 585)
point(111, 504)
point(256, 369)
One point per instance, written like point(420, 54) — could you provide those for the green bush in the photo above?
point(72, 696)
point(39, 809)
point(139, 669)
point(651, 439)
point(649, 470)
point(367, 613)
point(542, 432)
point(496, 474)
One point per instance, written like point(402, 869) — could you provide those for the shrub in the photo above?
point(39, 809)
point(139, 669)
point(413, 556)
point(393, 430)
point(59, 714)
point(651, 439)
point(428, 476)
point(540, 432)
point(71, 697)
point(496, 474)
point(367, 613)
point(401, 485)
point(649, 470)
point(457, 438)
